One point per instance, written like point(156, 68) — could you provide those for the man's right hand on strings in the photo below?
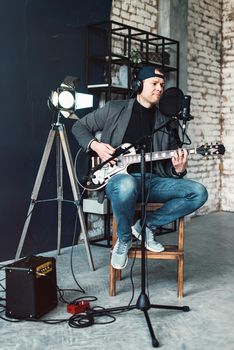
point(103, 150)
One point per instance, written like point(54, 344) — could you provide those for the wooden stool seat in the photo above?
point(171, 252)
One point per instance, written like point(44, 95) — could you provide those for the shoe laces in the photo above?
point(149, 235)
point(121, 247)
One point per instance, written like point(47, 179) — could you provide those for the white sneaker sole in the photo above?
point(118, 267)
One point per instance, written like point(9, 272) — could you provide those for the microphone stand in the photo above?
point(143, 302)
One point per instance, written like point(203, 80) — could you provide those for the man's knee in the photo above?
point(123, 185)
point(201, 193)
point(127, 185)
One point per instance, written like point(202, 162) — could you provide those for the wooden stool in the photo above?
point(171, 252)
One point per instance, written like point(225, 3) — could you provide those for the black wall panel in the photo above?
point(42, 41)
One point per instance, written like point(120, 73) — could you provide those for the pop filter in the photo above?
point(171, 102)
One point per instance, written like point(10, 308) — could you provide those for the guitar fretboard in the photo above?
point(136, 158)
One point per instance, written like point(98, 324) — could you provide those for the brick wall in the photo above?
point(204, 85)
point(227, 114)
point(138, 14)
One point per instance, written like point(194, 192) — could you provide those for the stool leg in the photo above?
point(180, 277)
point(114, 274)
point(118, 274)
point(112, 283)
point(180, 263)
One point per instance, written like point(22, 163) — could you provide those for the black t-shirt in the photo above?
point(141, 124)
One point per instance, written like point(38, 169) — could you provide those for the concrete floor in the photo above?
point(209, 285)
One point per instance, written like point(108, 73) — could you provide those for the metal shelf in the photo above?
point(112, 44)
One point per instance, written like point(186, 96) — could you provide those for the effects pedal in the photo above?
point(79, 307)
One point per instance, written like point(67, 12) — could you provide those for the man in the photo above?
point(128, 121)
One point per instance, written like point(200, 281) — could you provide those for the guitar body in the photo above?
point(101, 172)
point(97, 179)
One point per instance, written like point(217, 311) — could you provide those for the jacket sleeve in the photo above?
point(84, 129)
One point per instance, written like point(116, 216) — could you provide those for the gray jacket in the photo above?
point(112, 121)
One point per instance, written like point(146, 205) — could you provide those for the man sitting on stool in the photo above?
point(126, 121)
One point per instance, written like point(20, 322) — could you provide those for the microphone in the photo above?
point(185, 112)
point(171, 101)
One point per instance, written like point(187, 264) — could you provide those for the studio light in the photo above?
point(66, 100)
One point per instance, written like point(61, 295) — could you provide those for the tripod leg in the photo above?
point(35, 191)
point(155, 342)
point(76, 192)
point(59, 174)
point(171, 307)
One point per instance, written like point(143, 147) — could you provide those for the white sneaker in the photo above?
point(150, 242)
point(119, 258)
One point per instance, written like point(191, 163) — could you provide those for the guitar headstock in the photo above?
point(211, 150)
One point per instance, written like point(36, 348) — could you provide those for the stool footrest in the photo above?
point(171, 252)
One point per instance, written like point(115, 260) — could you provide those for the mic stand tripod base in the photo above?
point(143, 304)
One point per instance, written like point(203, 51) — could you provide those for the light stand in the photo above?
point(57, 132)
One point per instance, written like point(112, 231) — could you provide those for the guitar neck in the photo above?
point(136, 158)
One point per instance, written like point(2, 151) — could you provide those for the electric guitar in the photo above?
point(101, 172)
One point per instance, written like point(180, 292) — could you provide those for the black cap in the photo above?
point(148, 72)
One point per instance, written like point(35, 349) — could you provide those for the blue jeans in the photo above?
point(181, 197)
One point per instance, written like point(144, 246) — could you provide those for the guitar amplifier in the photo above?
point(31, 287)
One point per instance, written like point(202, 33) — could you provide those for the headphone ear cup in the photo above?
point(137, 86)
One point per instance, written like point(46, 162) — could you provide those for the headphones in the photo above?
point(137, 84)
